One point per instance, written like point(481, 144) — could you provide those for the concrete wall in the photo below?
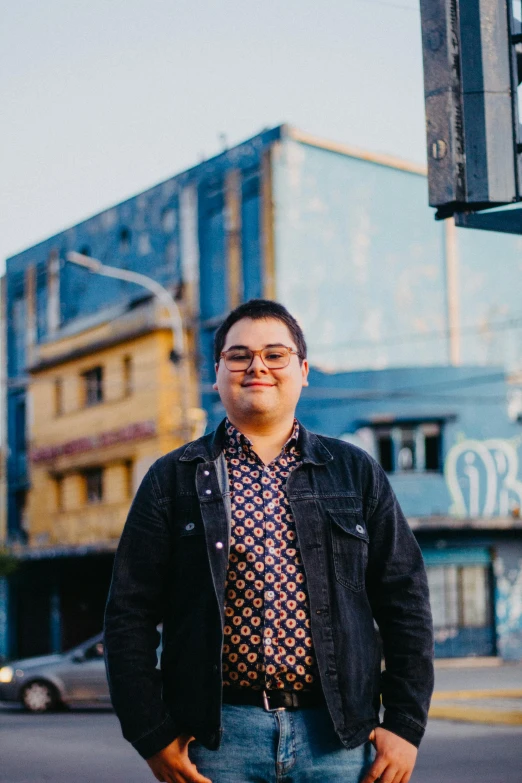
point(374, 280)
point(358, 258)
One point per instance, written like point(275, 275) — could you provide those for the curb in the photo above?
point(469, 713)
point(476, 715)
point(489, 693)
point(473, 662)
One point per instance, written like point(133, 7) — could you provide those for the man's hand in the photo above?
point(395, 758)
point(172, 764)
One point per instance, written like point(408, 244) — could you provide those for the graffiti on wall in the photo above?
point(508, 607)
point(484, 478)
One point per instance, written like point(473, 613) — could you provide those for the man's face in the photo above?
point(258, 391)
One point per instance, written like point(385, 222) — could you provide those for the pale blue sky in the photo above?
point(104, 98)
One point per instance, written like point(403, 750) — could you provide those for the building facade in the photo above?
point(344, 239)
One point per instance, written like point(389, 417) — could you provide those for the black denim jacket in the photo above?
point(361, 561)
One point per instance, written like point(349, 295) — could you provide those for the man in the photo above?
point(268, 552)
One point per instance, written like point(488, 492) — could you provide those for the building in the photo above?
point(343, 238)
point(104, 401)
point(450, 440)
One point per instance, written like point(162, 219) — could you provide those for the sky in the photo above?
point(102, 99)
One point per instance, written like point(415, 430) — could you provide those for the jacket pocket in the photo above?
point(349, 547)
point(191, 528)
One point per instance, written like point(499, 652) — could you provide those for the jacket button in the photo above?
point(359, 528)
point(208, 492)
point(219, 545)
point(206, 472)
point(190, 526)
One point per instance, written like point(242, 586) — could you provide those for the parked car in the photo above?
point(50, 681)
point(62, 679)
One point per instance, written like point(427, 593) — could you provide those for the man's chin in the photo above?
point(258, 408)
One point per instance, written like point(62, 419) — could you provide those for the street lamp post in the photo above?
point(179, 353)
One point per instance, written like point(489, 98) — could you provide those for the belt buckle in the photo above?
point(266, 705)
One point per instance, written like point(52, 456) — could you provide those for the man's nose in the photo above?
point(256, 365)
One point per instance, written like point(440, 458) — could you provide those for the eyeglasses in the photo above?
point(276, 357)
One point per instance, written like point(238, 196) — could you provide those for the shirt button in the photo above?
point(208, 492)
point(271, 550)
point(219, 545)
point(206, 472)
point(270, 595)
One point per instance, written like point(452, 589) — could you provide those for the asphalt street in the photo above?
point(86, 745)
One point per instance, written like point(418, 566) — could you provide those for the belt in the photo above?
point(273, 700)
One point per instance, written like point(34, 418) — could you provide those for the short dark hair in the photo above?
point(257, 309)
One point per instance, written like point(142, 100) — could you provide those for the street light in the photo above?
point(179, 354)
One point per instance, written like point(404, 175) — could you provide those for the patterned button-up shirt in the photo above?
point(268, 642)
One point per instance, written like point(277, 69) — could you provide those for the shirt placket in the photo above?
point(273, 650)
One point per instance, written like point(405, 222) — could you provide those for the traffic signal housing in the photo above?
point(472, 54)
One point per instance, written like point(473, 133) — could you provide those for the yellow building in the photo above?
point(104, 402)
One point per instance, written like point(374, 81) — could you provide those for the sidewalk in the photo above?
point(478, 691)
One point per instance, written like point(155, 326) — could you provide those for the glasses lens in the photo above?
point(276, 358)
point(238, 359)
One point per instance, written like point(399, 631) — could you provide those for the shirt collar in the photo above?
point(235, 438)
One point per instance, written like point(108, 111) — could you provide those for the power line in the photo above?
point(510, 323)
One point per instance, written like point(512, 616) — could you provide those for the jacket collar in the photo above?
point(209, 447)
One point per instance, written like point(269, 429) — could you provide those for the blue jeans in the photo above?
point(298, 746)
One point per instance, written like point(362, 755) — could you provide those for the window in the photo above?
point(459, 596)
point(20, 439)
point(94, 652)
point(125, 240)
point(409, 447)
point(58, 487)
point(58, 396)
point(93, 386)
point(169, 220)
point(94, 485)
point(129, 476)
point(127, 376)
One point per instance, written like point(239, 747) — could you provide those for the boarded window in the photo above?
point(58, 396)
point(127, 376)
point(93, 386)
point(93, 485)
point(460, 596)
point(410, 446)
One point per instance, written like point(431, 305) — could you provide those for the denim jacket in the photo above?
point(362, 563)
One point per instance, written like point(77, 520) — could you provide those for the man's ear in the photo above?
point(215, 384)
point(305, 370)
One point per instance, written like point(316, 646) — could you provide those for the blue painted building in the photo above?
point(450, 440)
point(389, 301)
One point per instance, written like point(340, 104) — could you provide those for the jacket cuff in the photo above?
point(403, 726)
point(157, 739)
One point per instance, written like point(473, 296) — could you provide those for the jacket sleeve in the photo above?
point(134, 609)
point(398, 592)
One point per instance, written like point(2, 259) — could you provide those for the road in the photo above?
point(86, 745)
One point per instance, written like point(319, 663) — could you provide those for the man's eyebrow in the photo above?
point(268, 345)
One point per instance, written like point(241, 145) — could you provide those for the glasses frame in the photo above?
point(259, 352)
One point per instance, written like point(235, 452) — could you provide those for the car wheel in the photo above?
point(39, 696)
